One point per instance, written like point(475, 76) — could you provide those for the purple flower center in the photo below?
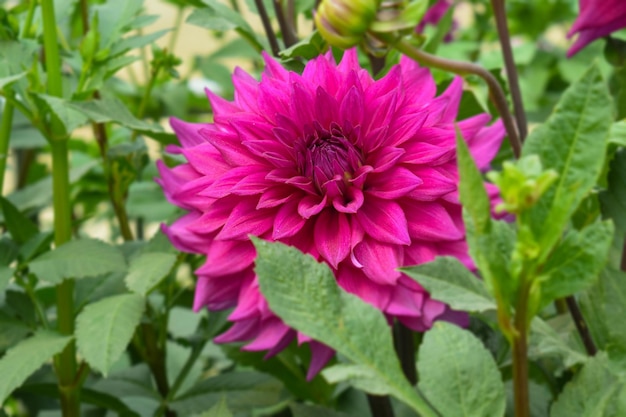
point(327, 155)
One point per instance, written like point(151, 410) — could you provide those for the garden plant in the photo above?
point(341, 208)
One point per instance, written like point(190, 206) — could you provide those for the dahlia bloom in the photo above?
point(434, 14)
point(596, 19)
point(361, 174)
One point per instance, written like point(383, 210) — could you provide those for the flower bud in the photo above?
point(342, 23)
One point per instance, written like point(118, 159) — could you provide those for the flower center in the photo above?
point(326, 155)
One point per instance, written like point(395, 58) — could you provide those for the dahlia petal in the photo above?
point(384, 158)
point(246, 220)
point(183, 237)
point(246, 90)
point(332, 237)
point(430, 221)
point(393, 184)
point(187, 133)
point(379, 260)
point(275, 196)
point(434, 184)
point(225, 184)
point(320, 355)
point(405, 302)
point(230, 147)
point(287, 221)
point(239, 331)
point(248, 302)
point(326, 107)
point(351, 107)
point(453, 93)
point(220, 107)
point(351, 202)
point(273, 68)
point(419, 85)
point(270, 334)
point(227, 257)
point(355, 282)
point(219, 292)
point(384, 221)
point(311, 205)
point(423, 153)
point(485, 144)
point(206, 160)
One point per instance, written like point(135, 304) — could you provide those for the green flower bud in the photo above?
point(343, 23)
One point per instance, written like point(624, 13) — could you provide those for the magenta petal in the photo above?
point(227, 256)
point(430, 221)
point(240, 331)
point(187, 133)
point(351, 202)
point(320, 355)
point(311, 205)
point(380, 261)
point(246, 220)
point(393, 184)
point(356, 282)
point(384, 221)
point(332, 237)
point(271, 332)
point(288, 221)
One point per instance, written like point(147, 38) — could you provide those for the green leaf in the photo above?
point(359, 376)
point(78, 259)
point(613, 200)
point(305, 295)
point(147, 270)
point(546, 342)
point(617, 135)
point(308, 48)
point(594, 392)
point(575, 262)
point(4, 81)
point(104, 329)
point(216, 16)
point(458, 375)
point(243, 391)
point(573, 143)
point(6, 274)
point(448, 280)
point(26, 357)
point(602, 304)
point(20, 226)
point(218, 410)
point(135, 381)
point(11, 331)
point(305, 410)
point(70, 117)
point(115, 19)
point(111, 110)
point(136, 41)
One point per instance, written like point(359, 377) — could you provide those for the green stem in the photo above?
point(177, 25)
point(463, 68)
point(5, 136)
point(499, 13)
point(520, 356)
point(66, 360)
point(29, 18)
point(267, 26)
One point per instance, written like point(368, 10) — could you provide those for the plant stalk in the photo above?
point(520, 355)
point(463, 68)
point(499, 13)
point(5, 137)
point(267, 26)
point(380, 406)
point(65, 361)
point(581, 326)
point(405, 349)
point(288, 31)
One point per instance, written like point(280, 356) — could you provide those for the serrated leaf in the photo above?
point(20, 226)
point(305, 295)
point(4, 81)
point(243, 391)
point(111, 110)
point(594, 392)
point(218, 410)
point(575, 262)
point(147, 270)
point(613, 200)
point(11, 331)
point(104, 329)
point(458, 375)
point(78, 259)
point(448, 280)
point(545, 342)
point(6, 274)
point(572, 142)
point(617, 135)
point(70, 117)
point(135, 381)
point(26, 357)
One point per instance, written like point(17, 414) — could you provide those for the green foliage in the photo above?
point(26, 357)
point(146, 270)
point(79, 258)
point(316, 306)
point(104, 328)
point(458, 375)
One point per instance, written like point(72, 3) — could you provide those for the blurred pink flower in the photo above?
point(434, 14)
point(361, 174)
point(596, 19)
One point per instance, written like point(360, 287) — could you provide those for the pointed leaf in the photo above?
point(305, 295)
point(147, 270)
point(458, 375)
point(575, 262)
point(546, 342)
point(572, 142)
point(447, 280)
point(218, 410)
point(78, 259)
point(26, 357)
point(20, 226)
point(104, 329)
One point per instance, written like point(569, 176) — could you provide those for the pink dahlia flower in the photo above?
point(434, 14)
point(596, 19)
point(361, 174)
